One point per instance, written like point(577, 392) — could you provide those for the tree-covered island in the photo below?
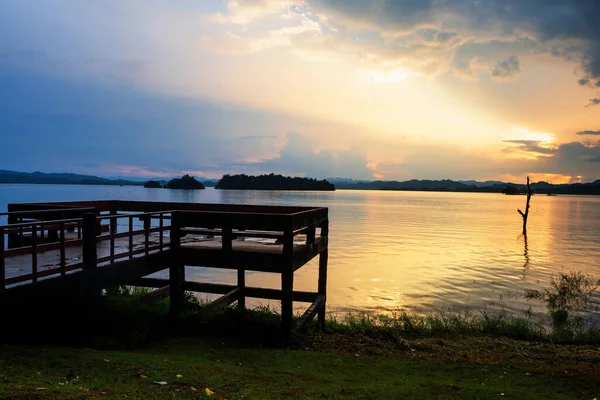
point(272, 182)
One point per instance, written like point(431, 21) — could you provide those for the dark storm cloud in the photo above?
point(550, 21)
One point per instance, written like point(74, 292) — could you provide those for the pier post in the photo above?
point(90, 256)
point(113, 221)
point(241, 282)
point(311, 235)
point(2, 262)
point(176, 269)
point(90, 298)
point(323, 258)
point(15, 239)
point(287, 283)
point(227, 242)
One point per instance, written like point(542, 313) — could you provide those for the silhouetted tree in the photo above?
point(271, 182)
point(185, 182)
point(510, 190)
point(526, 213)
point(153, 185)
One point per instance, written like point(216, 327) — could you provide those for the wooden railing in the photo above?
point(88, 236)
point(231, 225)
point(60, 211)
point(36, 248)
point(18, 220)
point(146, 231)
point(120, 242)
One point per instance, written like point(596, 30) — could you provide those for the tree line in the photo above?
point(272, 182)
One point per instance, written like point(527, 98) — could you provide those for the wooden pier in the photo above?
point(48, 250)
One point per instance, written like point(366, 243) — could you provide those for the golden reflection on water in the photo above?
point(417, 250)
point(421, 250)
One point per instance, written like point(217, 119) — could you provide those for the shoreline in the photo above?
point(553, 194)
point(233, 354)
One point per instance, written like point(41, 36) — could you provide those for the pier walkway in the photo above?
point(48, 249)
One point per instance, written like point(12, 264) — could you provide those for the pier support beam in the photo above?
point(91, 296)
point(90, 256)
point(241, 284)
point(287, 284)
point(176, 269)
point(323, 258)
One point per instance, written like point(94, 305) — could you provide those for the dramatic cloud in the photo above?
point(299, 156)
point(561, 27)
point(155, 88)
point(589, 83)
point(570, 159)
point(532, 146)
point(588, 133)
point(585, 82)
point(430, 36)
point(594, 102)
point(506, 69)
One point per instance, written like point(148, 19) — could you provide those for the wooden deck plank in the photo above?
point(253, 245)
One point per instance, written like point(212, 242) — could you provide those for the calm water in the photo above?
point(416, 250)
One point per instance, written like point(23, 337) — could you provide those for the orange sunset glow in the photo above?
point(365, 90)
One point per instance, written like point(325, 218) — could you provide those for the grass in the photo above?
point(447, 324)
point(434, 368)
point(240, 354)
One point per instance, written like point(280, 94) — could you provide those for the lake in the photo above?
point(413, 250)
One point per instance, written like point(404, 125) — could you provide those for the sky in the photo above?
point(394, 89)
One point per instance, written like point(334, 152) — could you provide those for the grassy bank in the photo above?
point(240, 354)
point(184, 367)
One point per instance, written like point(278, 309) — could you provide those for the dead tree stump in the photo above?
point(526, 213)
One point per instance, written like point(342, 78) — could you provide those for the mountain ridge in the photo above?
point(445, 185)
point(70, 178)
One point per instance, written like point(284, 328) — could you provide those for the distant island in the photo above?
point(272, 182)
point(153, 185)
point(186, 182)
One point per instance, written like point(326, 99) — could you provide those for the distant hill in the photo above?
point(414, 184)
point(279, 182)
point(209, 182)
point(482, 184)
point(446, 185)
point(345, 181)
point(37, 177)
point(60, 178)
point(272, 182)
